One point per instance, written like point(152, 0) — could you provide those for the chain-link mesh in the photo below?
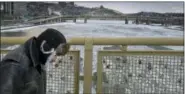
point(143, 74)
point(60, 76)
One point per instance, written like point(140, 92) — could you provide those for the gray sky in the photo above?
point(133, 7)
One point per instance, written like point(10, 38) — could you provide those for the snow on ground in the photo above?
point(24, 29)
point(15, 26)
point(176, 28)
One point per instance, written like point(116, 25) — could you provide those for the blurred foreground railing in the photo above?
point(126, 71)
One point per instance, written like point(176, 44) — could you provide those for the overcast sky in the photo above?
point(133, 7)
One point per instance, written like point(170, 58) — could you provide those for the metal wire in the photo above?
point(2, 56)
point(143, 74)
point(60, 76)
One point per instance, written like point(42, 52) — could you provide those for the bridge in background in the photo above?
point(136, 20)
point(10, 9)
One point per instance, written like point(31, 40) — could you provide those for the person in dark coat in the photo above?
point(22, 70)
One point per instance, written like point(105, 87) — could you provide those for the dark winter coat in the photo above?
point(21, 72)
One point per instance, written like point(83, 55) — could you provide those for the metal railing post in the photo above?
point(88, 65)
point(99, 74)
point(76, 73)
point(123, 47)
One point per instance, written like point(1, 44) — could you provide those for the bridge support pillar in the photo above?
point(74, 20)
point(137, 20)
point(53, 21)
point(60, 19)
point(85, 20)
point(56, 20)
point(166, 22)
point(171, 21)
point(162, 22)
point(126, 20)
point(148, 21)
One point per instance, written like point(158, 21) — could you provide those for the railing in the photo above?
point(126, 71)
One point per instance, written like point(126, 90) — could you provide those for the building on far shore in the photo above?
point(7, 8)
point(12, 10)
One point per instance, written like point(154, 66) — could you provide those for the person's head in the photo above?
point(52, 43)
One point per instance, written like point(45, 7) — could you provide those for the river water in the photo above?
point(97, 28)
point(106, 28)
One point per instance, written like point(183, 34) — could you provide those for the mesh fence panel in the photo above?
point(60, 76)
point(143, 74)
